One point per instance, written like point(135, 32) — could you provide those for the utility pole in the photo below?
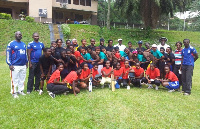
point(108, 15)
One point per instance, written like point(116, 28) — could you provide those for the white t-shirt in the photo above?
point(165, 47)
point(121, 47)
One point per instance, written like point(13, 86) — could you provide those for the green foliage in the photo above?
point(5, 16)
point(176, 24)
point(29, 19)
point(102, 109)
point(66, 30)
point(9, 27)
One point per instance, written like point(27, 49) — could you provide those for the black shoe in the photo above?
point(52, 95)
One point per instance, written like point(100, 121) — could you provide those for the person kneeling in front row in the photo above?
point(152, 76)
point(171, 81)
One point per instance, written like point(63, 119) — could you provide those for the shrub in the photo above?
point(65, 30)
point(29, 19)
point(5, 16)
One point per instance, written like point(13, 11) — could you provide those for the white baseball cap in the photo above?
point(119, 39)
point(154, 45)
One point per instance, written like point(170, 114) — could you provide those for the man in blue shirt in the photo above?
point(34, 51)
point(189, 56)
point(16, 58)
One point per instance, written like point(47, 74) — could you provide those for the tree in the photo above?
point(151, 10)
point(108, 15)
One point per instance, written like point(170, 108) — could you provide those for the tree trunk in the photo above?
point(108, 15)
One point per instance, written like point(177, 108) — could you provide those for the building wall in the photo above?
point(15, 7)
point(92, 8)
point(40, 4)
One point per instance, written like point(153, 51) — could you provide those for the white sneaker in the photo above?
point(28, 92)
point(156, 88)
point(171, 90)
point(52, 95)
point(21, 93)
point(128, 87)
point(150, 86)
point(41, 91)
point(15, 96)
point(186, 94)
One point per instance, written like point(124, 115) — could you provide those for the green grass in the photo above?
point(9, 27)
point(102, 108)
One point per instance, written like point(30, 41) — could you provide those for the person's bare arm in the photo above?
point(195, 57)
point(101, 61)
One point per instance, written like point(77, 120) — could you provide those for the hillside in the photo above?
point(9, 27)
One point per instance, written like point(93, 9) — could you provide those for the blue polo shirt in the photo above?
point(188, 55)
point(36, 51)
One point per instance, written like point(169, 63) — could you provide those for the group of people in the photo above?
point(69, 69)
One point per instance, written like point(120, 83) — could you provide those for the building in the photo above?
point(55, 11)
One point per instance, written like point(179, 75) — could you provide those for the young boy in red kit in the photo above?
point(118, 71)
point(106, 74)
point(126, 70)
point(152, 76)
point(139, 75)
point(71, 79)
point(85, 75)
point(94, 73)
point(54, 85)
point(171, 81)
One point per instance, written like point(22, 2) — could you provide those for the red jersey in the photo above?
point(153, 73)
point(72, 76)
point(94, 73)
point(122, 64)
point(125, 72)
point(55, 75)
point(118, 72)
point(78, 54)
point(171, 76)
point(138, 71)
point(117, 55)
point(106, 71)
point(84, 73)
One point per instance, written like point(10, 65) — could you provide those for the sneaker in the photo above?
point(156, 88)
point(15, 96)
point(21, 93)
point(150, 86)
point(52, 95)
point(37, 90)
point(65, 93)
point(41, 91)
point(186, 94)
point(171, 90)
point(128, 87)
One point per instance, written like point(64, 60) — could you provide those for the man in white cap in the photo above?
point(163, 44)
point(121, 47)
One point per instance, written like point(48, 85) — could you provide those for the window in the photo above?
point(88, 2)
point(64, 1)
point(82, 2)
point(78, 17)
point(76, 2)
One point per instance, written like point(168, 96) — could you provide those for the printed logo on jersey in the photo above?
point(188, 51)
point(22, 51)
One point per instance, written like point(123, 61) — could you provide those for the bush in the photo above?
point(5, 16)
point(29, 19)
point(65, 30)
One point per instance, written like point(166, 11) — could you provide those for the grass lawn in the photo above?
point(102, 108)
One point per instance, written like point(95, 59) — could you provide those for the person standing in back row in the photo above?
point(34, 51)
point(189, 56)
point(16, 58)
